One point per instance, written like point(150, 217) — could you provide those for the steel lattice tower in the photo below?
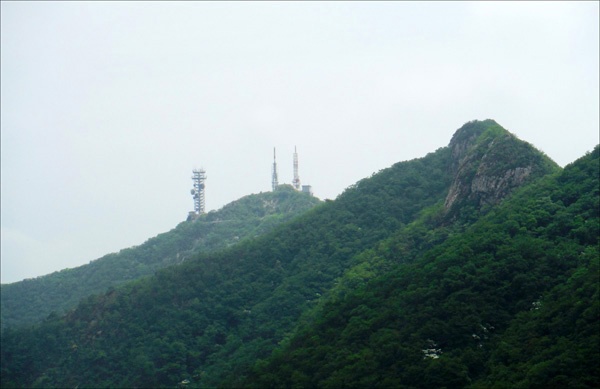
point(198, 177)
point(296, 181)
point(274, 179)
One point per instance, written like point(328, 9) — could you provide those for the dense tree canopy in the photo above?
point(385, 286)
point(511, 302)
point(33, 300)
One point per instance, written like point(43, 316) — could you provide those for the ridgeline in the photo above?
point(32, 300)
point(474, 266)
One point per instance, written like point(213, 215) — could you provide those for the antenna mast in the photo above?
point(274, 180)
point(296, 181)
point(198, 177)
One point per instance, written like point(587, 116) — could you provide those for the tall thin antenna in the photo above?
point(274, 180)
point(296, 181)
point(198, 177)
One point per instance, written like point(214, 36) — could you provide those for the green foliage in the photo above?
point(555, 343)
point(227, 309)
point(475, 128)
point(32, 300)
point(375, 289)
point(511, 302)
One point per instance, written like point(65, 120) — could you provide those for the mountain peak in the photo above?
point(368, 288)
point(488, 162)
point(474, 128)
point(469, 135)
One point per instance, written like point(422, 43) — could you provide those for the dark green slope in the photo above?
point(210, 319)
point(33, 300)
point(511, 302)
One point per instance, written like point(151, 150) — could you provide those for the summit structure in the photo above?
point(274, 179)
point(296, 180)
point(198, 177)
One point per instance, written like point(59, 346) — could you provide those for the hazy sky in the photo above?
point(108, 106)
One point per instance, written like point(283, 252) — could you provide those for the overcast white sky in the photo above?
point(108, 106)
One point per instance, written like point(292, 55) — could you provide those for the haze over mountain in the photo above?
point(475, 265)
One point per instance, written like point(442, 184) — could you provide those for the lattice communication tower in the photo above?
point(198, 177)
point(274, 179)
point(296, 181)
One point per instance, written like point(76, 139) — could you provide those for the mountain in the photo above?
point(510, 302)
point(488, 162)
point(32, 300)
point(384, 286)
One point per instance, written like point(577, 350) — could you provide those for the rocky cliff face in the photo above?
point(488, 163)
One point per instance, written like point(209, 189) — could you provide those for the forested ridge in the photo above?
point(510, 302)
point(475, 265)
point(32, 300)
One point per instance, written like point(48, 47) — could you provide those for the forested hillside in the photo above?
point(429, 273)
point(511, 302)
point(33, 300)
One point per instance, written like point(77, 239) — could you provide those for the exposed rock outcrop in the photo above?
point(488, 163)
